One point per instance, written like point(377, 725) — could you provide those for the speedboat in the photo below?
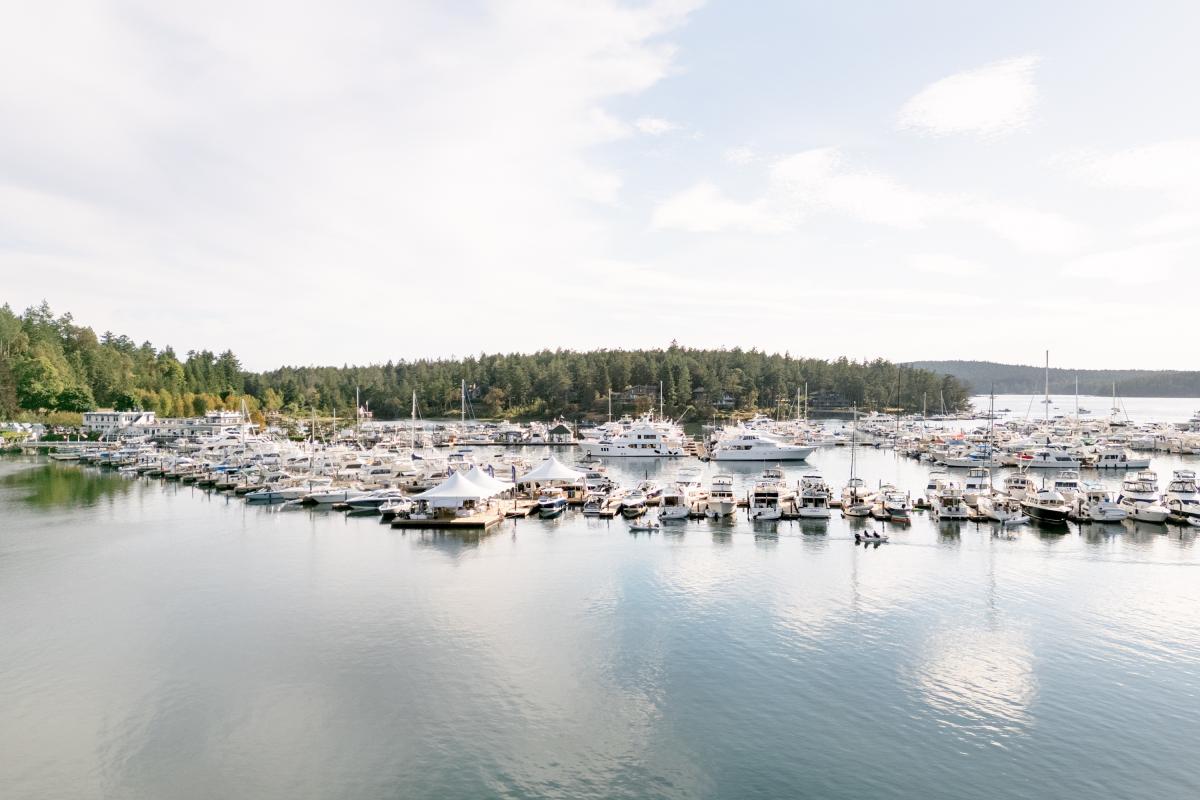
point(275, 493)
point(867, 537)
point(396, 508)
point(593, 504)
point(373, 500)
point(897, 505)
point(634, 505)
point(331, 495)
point(552, 502)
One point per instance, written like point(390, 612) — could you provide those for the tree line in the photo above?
point(51, 364)
point(981, 376)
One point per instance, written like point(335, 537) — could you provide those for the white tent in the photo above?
point(486, 482)
point(453, 492)
point(551, 471)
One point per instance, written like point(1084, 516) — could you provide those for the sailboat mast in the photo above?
point(462, 401)
point(610, 404)
point(1047, 397)
point(412, 426)
point(899, 372)
point(660, 400)
point(853, 437)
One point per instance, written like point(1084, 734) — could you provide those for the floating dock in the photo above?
point(477, 522)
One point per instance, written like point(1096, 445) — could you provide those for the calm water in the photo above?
point(1134, 409)
point(160, 641)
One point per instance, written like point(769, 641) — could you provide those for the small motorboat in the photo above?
point(870, 537)
point(646, 527)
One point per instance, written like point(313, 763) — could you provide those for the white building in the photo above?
point(145, 423)
point(104, 420)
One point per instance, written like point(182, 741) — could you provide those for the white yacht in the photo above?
point(753, 445)
point(977, 482)
point(1139, 498)
point(721, 500)
point(1017, 485)
point(645, 439)
point(1001, 508)
point(947, 502)
point(895, 505)
point(769, 496)
point(931, 484)
point(1119, 458)
point(1182, 498)
point(674, 504)
point(857, 498)
point(1048, 458)
point(814, 498)
point(1067, 484)
point(276, 493)
point(1094, 503)
point(593, 503)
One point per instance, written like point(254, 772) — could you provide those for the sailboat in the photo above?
point(857, 499)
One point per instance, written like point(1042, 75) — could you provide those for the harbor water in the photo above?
point(163, 641)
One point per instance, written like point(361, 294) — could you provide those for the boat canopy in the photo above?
point(551, 471)
point(488, 483)
point(453, 491)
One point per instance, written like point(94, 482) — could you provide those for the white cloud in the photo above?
point(316, 152)
point(820, 181)
point(988, 101)
point(655, 126)
point(942, 264)
point(1168, 171)
point(740, 155)
point(1134, 266)
point(1162, 165)
point(703, 209)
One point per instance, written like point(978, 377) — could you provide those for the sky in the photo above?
point(353, 182)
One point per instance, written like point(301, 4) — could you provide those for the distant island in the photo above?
point(50, 365)
point(982, 376)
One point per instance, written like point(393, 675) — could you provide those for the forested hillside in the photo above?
point(52, 364)
point(1020, 379)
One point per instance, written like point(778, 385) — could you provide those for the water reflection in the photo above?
point(57, 485)
point(980, 682)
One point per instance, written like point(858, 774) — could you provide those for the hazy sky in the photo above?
point(358, 181)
